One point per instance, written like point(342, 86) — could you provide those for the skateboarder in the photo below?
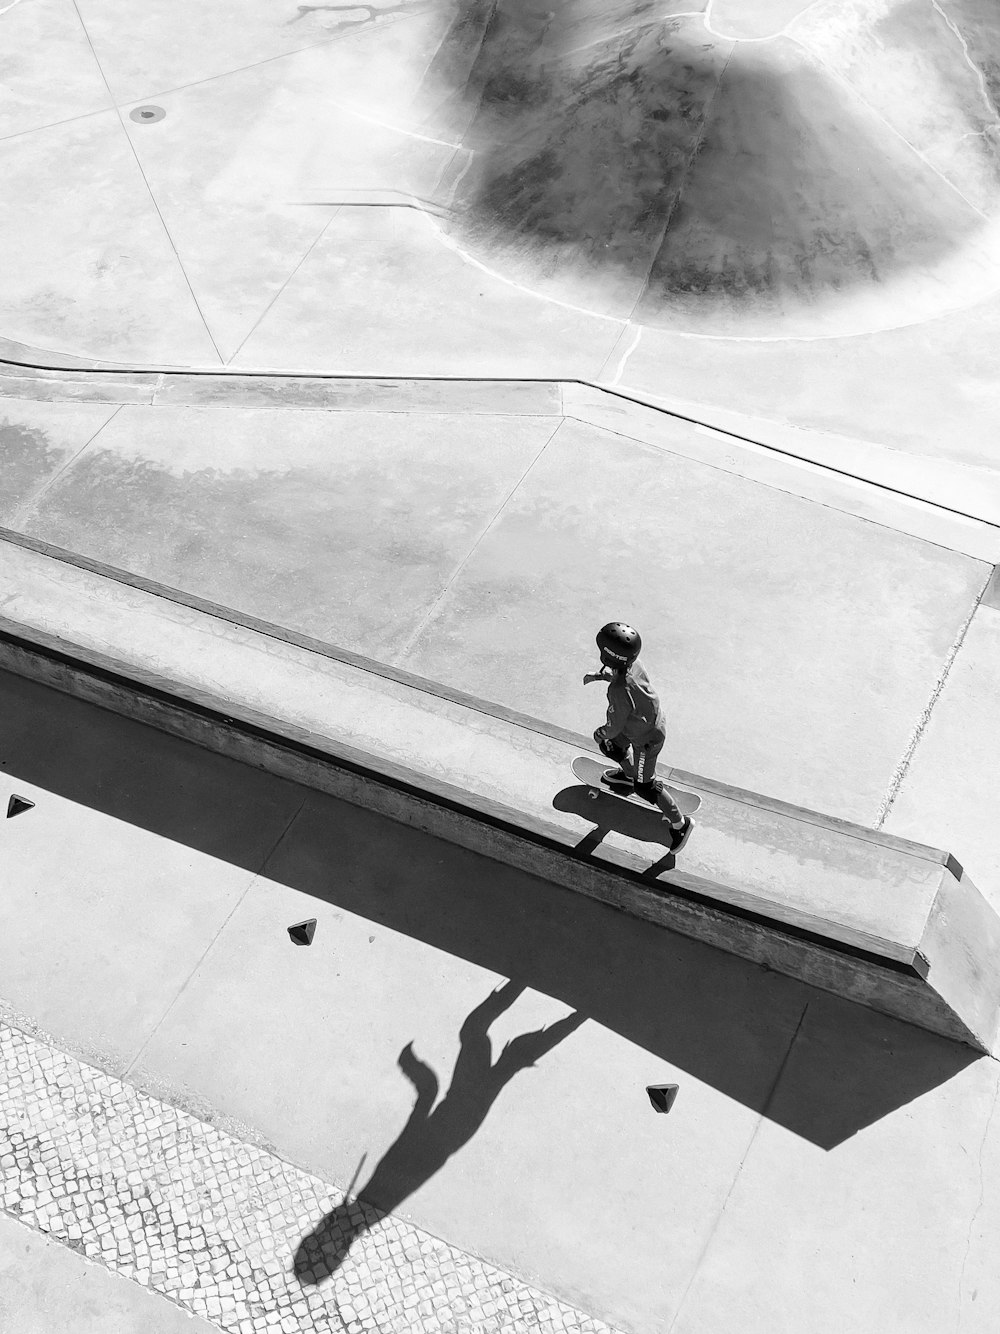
point(634, 734)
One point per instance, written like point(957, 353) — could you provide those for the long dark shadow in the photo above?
point(432, 1134)
point(723, 1020)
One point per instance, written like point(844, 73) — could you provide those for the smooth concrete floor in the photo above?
point(45, 1286)
point(822, 1168)
point(958, 759)
point(796, 646)
point(305, 204)
point(402, 190)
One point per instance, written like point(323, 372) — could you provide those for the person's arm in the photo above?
point(619, 712)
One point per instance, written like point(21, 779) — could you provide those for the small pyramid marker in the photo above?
point(302, 932)
point(662, 1096)
point(18, 804)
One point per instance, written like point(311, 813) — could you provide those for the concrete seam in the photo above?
point(980, 76)
point(786, 30)
point(762, 1117)
point(979, 1205)
point(810, 466)
point(54, 124)
point(780, 32)
point(426, 619)
point(891, 128)
point(655, 250)
point(642, 25)
point(896, 781)
point(266, 60)
point(267, 309)
point(611, 390)
point(145, 180)
point(425, 685)
point(623, 362)
point(30, 505)
point(616, 392)
point(254, 877)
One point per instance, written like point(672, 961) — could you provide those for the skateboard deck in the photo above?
point(589, 771)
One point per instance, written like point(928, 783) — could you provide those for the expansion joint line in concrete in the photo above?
point(281, 290)
point(20, 514)
point(265, 859)
point(980, 76)
point(979, 1203)
point(662, 236)
point(896, 782)
point(429, 615)
point(896, 134)
point(145, 180)
point(769, 1100)
point(649, 404)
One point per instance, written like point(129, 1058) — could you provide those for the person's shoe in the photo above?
point(616, 778)
point(678, 837)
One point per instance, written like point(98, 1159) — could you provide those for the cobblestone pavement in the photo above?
point(220, 1227)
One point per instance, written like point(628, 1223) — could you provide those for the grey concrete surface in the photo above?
point(345, 528)
point(861, 303)
point(38, 441)
point(453, 544)
point(570, 1180)
point(442, 229)
point(46, 1286)
point(956, 756)
point(847, 888)
point(832, 1222)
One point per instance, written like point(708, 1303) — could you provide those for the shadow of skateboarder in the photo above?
point(432, 1134)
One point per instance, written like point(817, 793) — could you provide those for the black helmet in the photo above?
point(619, 644)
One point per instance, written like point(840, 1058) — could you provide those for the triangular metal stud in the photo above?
point(302, 932)
point(662, 1096)
point(18, 804)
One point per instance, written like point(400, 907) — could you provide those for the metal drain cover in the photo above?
point(146, 115)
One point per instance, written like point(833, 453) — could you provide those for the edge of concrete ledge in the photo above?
point(937, 504)
point(682, 777)
point(684, 904)
point(894, 976)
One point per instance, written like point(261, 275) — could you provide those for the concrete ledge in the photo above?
point(886, 923)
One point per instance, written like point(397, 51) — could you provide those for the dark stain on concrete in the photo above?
point(724, 173)
point(28, 459)
point(337, 555)
point(366, 14)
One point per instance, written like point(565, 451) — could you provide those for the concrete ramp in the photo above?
point(885, 922)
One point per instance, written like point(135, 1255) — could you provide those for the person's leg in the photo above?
point(653, 789)
point(620, 753)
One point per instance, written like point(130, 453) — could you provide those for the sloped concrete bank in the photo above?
point(929, 498)
point(885, 922)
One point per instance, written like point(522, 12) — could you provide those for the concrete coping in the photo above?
point(886, 922)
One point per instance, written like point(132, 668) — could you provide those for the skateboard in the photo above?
point(589, 771)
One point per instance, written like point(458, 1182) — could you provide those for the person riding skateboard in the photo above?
point(634, 734)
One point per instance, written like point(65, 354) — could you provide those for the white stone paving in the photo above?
point(217, 1226)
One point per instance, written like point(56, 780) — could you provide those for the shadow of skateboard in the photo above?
point(589, 772)
point(622, 812)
